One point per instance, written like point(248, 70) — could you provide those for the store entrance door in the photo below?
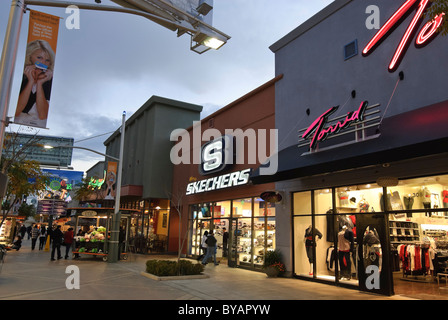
point(375, 274)
point(233, 243)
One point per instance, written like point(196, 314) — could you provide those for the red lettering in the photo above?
point(429, 30)
point(425, 34)
point(318, 125)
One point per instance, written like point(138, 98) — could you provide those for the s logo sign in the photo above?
point(216, 155)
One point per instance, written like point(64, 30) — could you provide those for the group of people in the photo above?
point(208, 246)
point(57, 239)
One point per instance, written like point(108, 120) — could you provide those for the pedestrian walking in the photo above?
point(211, 248)
point(56, 237)
point(42, 237)
point(28, 231)
point(68, 241)
point(34, 235)
point(22, 231)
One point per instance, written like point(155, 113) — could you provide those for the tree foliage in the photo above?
point(25, 177)
point(438, 7)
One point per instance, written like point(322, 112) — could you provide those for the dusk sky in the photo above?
point(115, 62)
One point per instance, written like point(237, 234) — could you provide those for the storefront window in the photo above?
point(302, 203)
point(303, 248)
point(244, 230)
point(222, 209)
point(342, 234)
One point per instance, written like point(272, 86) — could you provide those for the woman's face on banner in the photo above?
point(41, 56)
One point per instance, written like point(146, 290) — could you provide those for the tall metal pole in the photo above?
point(115, 230)
point(8, 61)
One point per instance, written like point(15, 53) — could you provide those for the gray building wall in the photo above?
point(147, 144)
point(316, 77)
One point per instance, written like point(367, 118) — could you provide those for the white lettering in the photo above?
point(73, 21)
point(233, 179)
point(373, 280)
point(72, 281)
point(373, 21)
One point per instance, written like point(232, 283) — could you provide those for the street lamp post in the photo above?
point(115, 230)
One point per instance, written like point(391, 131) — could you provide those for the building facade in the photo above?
point(361, 113)
point(147, 169)
point(214, 194)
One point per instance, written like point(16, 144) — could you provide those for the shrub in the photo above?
point(163, 268)
point(272, 257)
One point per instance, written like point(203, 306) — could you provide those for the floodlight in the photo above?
point(175, 15)
point(205, 40)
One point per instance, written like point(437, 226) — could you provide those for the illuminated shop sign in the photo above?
point(233, 179)
point(216, 155)
point(425, 35)
point(321, 130)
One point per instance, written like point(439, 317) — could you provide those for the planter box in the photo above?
point(157, 278)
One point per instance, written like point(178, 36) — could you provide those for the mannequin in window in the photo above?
point(426, 200)
point(345, 246)
point(445, 198)
point(408, 202)
point(343, 199)
point(310, 241)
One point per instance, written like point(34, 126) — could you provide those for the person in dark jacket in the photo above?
point(68, 241)
point(56, 240)
point(211, 249)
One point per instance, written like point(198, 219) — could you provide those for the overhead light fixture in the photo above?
point(204, 41)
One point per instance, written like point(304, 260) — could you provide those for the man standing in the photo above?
point(56, 240)
point(68, 241)
point(225, 240)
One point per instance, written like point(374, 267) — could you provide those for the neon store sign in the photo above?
point(426, 34)
point(322, 131)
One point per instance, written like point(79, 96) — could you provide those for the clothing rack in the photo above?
point(416, 261)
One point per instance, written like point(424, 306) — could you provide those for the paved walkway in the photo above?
point(30, 275)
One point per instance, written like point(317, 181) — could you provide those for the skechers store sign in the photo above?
point(220, 182)
point(217, 155)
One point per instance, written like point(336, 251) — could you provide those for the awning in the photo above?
point(413, 134)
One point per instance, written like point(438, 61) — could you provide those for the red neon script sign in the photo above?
point(318, 126)
point(427, 32)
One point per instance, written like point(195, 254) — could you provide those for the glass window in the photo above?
point(302, 203)
point(222, 209)
point(242, 208)
point(303, 250)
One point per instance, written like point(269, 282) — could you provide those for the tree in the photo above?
point(436, 8)
point(25, 177)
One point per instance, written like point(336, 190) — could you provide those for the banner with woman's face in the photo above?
point(34, 97)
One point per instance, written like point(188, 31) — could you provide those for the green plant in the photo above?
point(274, 259)
point(163, 268)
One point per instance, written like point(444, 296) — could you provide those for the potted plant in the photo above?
point(273, 264)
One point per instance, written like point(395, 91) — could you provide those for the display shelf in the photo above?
point(404, 231)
